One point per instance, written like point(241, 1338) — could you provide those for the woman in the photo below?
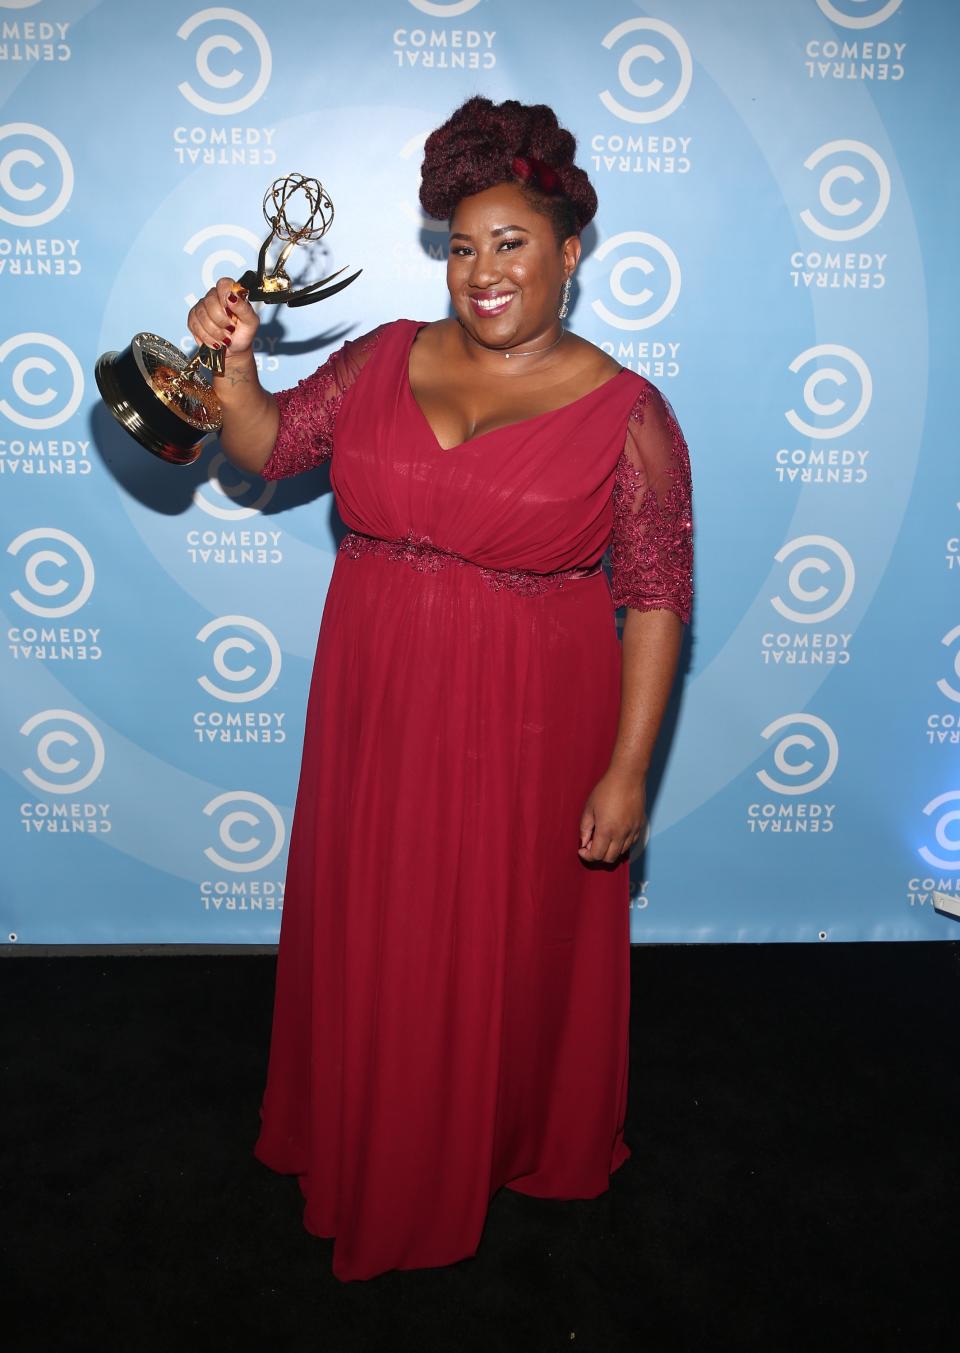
point(453, 970)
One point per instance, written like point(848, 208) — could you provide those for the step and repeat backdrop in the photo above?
point(775, 249)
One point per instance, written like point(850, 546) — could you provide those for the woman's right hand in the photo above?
point(224, 317)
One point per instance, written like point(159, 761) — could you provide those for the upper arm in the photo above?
point(308, 411)
point(652, 544)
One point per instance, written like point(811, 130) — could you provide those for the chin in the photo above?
point(491, 332)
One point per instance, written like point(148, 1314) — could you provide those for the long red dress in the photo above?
point(452, 979)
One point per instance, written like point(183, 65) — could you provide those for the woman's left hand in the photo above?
point(614, 816)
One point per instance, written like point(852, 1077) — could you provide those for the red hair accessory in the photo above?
point(543, 176)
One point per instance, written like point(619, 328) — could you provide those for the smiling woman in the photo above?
point(453, 982)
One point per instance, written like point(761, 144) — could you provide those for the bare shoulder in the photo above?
point(437, 335)
point(590, 360)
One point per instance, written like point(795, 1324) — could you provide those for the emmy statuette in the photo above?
point(157, 394)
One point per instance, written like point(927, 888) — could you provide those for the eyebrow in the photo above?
point(501, 230)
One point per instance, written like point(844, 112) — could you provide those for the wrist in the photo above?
point(238, 361)
point(239, 372)
point(629, 765)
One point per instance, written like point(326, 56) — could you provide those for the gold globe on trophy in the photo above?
point(157, 394)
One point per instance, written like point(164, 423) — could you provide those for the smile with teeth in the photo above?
point(492, 305)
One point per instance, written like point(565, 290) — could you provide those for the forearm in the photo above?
point(250, 414)
point(649, 652)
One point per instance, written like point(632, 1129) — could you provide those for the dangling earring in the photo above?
point(565, 300)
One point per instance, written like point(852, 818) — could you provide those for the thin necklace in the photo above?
point(532, 352)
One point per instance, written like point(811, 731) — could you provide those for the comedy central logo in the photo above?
point(36, 174)
point(868, 13)
point(662, 49)
point(64, 762)
point(246, 659)
point(42, 381)
point(802, 762)
point(861, 175)
point(942, 726)
point(944, 852)
point(250, 834)
point(224, 497)
point(58, 573)
point(825, 393)
point(826, 564)
point(638, 307)
point(221, 254)
point(943, 685)
point(444, 9)
point(237, 55)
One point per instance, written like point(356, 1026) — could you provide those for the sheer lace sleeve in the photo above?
point(308, 411)
point(651, 553)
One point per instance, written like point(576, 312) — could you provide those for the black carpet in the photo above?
point(794, 1118)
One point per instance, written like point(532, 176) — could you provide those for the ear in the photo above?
point(571, 254)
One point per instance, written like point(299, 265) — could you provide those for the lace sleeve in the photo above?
point(651, 553)
point(308, 411)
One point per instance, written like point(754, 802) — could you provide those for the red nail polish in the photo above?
point(231, 328)
point(230, 312)
point(233, 297)
point(227, 341)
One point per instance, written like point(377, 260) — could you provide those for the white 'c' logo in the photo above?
point(225, 42)
point(828, 757)
point(256, 814)
point(883, 11)
point(655, 104)
point(229, 492)
point(943, 685)
point(824, 556)
point(89, 762)
point(225, 261)
point(655, 303)
point(943, 839)
point(64, 394)
point(266, 654)
point(30, 175)
point(853, 205)
point(53, 584)
point(836, 377)
point(444, 9)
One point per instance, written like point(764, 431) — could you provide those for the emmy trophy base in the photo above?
point(176, 430)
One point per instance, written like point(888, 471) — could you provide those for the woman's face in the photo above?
point(505, 271)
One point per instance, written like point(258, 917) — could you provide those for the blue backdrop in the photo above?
point(775, 249)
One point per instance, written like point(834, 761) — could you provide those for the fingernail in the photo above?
point(227, 341)
point(233, 296)
point(230, 312)
point(231, 328)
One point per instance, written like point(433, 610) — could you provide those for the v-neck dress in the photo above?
point(452, 990)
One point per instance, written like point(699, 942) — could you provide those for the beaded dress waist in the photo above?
point(420, 553)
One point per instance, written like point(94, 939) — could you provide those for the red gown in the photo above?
point(452, 979)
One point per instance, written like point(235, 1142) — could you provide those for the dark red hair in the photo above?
point(484, 143)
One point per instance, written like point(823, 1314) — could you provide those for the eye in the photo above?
point(512, 244)
point(460, 250)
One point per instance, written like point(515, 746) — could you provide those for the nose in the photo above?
point(485, 270)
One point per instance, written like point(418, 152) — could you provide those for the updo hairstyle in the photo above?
point(483, 144)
